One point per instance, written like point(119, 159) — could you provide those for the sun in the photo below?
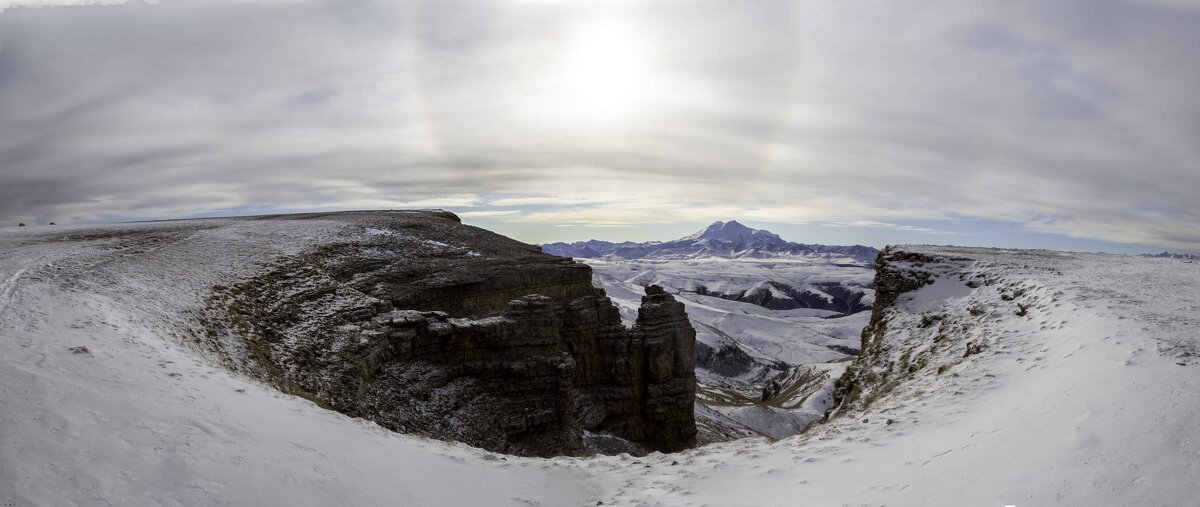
point(604, 72)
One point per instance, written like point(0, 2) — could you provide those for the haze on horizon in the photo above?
point(1069, 125)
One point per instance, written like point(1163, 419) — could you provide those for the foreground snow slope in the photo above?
point(141, 420)
point(1090, 398)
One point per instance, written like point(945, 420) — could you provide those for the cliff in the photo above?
point(912, 334)
point(428, 326)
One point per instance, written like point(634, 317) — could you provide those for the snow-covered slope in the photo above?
point(1016, 378)
point(1052, 379)
point(728, 240)
point(140, 418)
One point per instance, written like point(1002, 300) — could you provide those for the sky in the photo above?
point(1072, 124)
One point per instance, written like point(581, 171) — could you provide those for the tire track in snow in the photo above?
point(8, 290)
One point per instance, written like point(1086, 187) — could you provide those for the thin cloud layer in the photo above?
point(1075, 118)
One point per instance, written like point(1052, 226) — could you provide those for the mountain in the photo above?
point(729, 240)
point(734, 232)
point(774, 320)
point(1169, 255)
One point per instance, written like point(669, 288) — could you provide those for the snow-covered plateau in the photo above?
point(990, 377)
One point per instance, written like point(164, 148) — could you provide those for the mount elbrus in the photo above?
point(730, 240)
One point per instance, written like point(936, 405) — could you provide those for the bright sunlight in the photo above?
point(604, 72)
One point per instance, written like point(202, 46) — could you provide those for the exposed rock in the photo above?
point(729, 360)
point(429, 326)
point(771, 389)
point(876, 368)
point(669, 345)
point(896, 272)
point(1169, 255)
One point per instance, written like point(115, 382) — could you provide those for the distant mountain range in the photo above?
point(1169, 255)
point(728, 240)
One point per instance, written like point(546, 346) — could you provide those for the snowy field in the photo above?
point(1090, 397)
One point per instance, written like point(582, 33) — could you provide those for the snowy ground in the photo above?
point(1090, 398)
point(141, 420)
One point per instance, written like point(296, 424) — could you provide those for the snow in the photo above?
point(732, 231)
point(372, 231)
point(796, 336)
point(1091, 398)
point(771, 338)
point(931, 297)
point(720, 240)
point(437, 244)
point(1073, 404)
point(765, 286)
point(787, 415)
point(145, 420)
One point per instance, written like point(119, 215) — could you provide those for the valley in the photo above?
point(775, 321)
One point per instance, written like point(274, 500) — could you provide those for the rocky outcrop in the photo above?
point(896, 272)
point(728, 360)
point(669, 345)
point(878, 367)
point(425, 325)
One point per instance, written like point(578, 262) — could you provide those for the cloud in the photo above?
point(488, 213)
point(8, 4)
point(882, 225)
point(1076, 118)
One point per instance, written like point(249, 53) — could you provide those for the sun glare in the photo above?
point(605, 72)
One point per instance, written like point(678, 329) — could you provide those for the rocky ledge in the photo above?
point(915, 347)
point(424, 325)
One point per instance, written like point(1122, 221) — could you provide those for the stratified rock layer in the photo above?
point(425, 325)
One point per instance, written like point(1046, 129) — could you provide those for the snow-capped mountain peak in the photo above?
point(728, 240)
point(732, 232)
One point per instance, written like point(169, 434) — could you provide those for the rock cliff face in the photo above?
point(425, 325)
point(880, 365)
